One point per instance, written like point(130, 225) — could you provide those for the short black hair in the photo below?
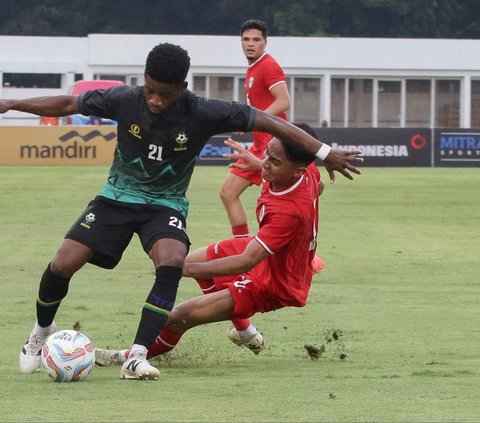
point(167, 63)
point(255, 24)
point(296, 154)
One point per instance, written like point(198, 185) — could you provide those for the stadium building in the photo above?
point(346, 82)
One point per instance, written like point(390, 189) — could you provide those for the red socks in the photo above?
point(241, 324)
point(240, 231)
point(166, 341)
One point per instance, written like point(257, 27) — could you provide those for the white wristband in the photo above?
point(323, 152)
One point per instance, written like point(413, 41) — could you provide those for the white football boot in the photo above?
point(138, 367)
point(107, 358)
point(30, 356)
point(256, 344)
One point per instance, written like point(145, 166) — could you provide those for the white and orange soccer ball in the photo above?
point(68, 356)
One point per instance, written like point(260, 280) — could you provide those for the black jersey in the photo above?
point(156, 153)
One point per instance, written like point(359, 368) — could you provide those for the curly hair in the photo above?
point(168, 63)
point(296, 154)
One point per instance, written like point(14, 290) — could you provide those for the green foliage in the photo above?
point(301, 19)
point(342, 18)
point(398, 297)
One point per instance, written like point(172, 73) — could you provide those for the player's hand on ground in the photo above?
point(342, 161)
point(248, 161)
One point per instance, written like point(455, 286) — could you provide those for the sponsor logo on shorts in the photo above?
point(241, 284)
point(89, 219)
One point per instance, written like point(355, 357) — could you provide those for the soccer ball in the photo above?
point(68, 356)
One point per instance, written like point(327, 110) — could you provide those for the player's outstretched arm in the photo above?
point(233, 265)
point(335, 159)
point(61, 105)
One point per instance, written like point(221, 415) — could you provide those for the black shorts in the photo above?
point(107, 227)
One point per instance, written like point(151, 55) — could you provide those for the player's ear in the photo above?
point(299, 171)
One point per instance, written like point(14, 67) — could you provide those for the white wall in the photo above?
point(126, 53)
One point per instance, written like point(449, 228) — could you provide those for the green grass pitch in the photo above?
point(400, 292)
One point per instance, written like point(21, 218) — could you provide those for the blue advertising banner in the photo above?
point(457, 147)
point(212, 153)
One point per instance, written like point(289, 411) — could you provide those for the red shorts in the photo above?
point(249, 295)
point(260, 142)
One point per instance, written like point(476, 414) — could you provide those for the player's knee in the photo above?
point(168, 253)
point(227, 195)
point(60, 267)
point(179, 318)
point(223, 195)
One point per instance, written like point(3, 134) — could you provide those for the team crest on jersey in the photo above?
point(250, 82)
point(181, 139)
point(89, 219)
point(135, 131)
point(261, 215)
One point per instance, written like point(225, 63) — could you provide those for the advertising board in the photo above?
point(457, 147)
point(57, 145)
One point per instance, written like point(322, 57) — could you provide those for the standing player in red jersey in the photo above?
point(271, 270)
point(265, 89)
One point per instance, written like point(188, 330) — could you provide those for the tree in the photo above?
point(304, 18)
point(341, 18)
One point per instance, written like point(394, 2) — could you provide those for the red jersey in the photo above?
point(288, 222)
point(262, 75)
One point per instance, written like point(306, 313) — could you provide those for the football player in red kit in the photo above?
point(265, 89)
point(271, 270)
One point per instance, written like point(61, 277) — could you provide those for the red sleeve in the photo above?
point(273, 74)
point(278, 231)
point(314, 171)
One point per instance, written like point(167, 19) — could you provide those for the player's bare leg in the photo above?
point(70, 257)
point(230, 193)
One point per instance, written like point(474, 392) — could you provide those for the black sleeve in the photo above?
point(102, 103)
point(224, 116)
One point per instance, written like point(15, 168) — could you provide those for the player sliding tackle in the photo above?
point(162, 128)
point(261, 273)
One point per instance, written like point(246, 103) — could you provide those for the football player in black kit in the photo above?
point(162, 128)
